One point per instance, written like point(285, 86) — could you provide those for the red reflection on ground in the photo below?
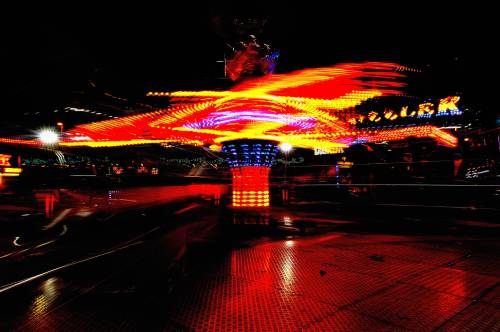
point(48, 200)
point(336, 282)
point(153, 195)
point(60, 204)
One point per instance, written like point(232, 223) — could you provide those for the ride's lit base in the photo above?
point(250, 186)
point(250, 162)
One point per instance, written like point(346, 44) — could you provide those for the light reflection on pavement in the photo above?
point(169, 258)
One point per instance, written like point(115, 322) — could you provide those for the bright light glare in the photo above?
point(48, 136)
point(285, 147)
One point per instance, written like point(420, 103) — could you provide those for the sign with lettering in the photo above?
point(5, 160)
point(446, 107)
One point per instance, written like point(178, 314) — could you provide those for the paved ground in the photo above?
point(297, 271)
point(346, 282)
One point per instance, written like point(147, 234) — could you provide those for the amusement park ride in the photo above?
point(304, 109)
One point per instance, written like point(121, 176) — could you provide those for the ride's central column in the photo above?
point(250, 162)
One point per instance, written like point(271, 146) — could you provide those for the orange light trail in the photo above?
point(300, 108)
point(304, 108)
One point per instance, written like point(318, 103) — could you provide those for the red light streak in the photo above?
point(316, 94)
point(18, 141)
point(421, 131)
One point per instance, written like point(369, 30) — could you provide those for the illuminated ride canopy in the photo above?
point(305, 108)
point(302, 108)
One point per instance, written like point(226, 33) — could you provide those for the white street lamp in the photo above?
point(286, 147)
point(48, 136)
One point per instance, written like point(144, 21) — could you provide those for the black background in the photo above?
point(48, 57)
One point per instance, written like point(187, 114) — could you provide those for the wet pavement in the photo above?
point(194, 264)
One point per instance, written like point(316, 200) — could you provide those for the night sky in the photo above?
point(48, 60)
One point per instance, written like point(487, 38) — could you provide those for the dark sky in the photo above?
point(47, 60)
